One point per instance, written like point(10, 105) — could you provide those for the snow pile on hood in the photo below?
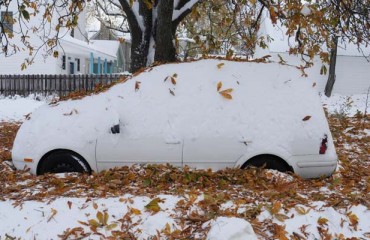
point(224, 228)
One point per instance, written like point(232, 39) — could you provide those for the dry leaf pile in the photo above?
point(205, 193)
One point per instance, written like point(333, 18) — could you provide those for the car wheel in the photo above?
point(63, 161)
point(268, 162)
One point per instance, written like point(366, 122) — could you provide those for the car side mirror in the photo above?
point(115, 129)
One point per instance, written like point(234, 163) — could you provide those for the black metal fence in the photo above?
point(60, 85)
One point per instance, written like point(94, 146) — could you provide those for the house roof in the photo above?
point(72, 45)
point(110, 46)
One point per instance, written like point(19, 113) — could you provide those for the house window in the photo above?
point(78, 64)
point(64, 62)
point(7, 21)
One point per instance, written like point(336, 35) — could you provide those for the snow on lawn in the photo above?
point(15, 108)
point(346, 105)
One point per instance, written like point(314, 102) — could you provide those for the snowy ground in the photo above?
point(278, 206)
point(15, 108)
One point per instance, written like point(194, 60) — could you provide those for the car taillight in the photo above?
point(324, 145)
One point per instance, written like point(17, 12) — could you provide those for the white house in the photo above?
point(352, 67)
point(75, 54)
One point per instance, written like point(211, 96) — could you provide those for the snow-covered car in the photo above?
point(205, 114)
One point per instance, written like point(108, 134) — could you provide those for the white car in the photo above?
point(205, 114)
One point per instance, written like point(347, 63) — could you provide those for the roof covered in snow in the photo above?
point(73, 45)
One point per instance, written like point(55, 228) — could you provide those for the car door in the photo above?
point(118, 148)
point(213, 152)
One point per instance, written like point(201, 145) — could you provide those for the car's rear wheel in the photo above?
point(63, 161)
point(268, 162)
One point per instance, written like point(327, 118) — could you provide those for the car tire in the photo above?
point(268, 162)
point(63, 161)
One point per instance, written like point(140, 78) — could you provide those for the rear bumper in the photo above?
point(314, 166)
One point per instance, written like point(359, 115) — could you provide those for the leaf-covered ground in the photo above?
point(270, 201)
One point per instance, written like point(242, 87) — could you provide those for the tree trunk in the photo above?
point(153, 26)
point(165, 50)
point(333, 61)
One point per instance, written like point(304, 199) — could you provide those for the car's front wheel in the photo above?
point(63, 161)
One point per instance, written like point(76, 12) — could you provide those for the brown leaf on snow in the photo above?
point(69, 204)
point(306, 118)
point(220, 65)
point(226, 95)
point(137, 86)
point(219, 86)
point(53, 213)
point(322, 221)
point(153, 205)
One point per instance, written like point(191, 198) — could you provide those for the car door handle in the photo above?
point(246, 142)
point(173, 142)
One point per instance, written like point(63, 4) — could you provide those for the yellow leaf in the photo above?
point(93, 223)
point(219, 66)
point(167, 230)
point(105, 219)
point(53, 213)
point(95, 205)
point(281, 217)
point(100, 217)
point(353, 219)
point(276, 208)
point(219, 86)
point(301, 210)
point(229, 90)
point(153, 205)
point(226, 95)
point(111, 226)
point(322, 221)
point(135, 211)
point(173, 80)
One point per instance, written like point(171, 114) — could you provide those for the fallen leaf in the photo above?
point(322, 221)
point(53, 213)
point(69, 204)
point(219, 86)
point(153, 205)
point(137, 86)
point(306, 118)
point(229, 90)
point(220, 65)
point(226, 95)
point(172, 92)
point(135, 211)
